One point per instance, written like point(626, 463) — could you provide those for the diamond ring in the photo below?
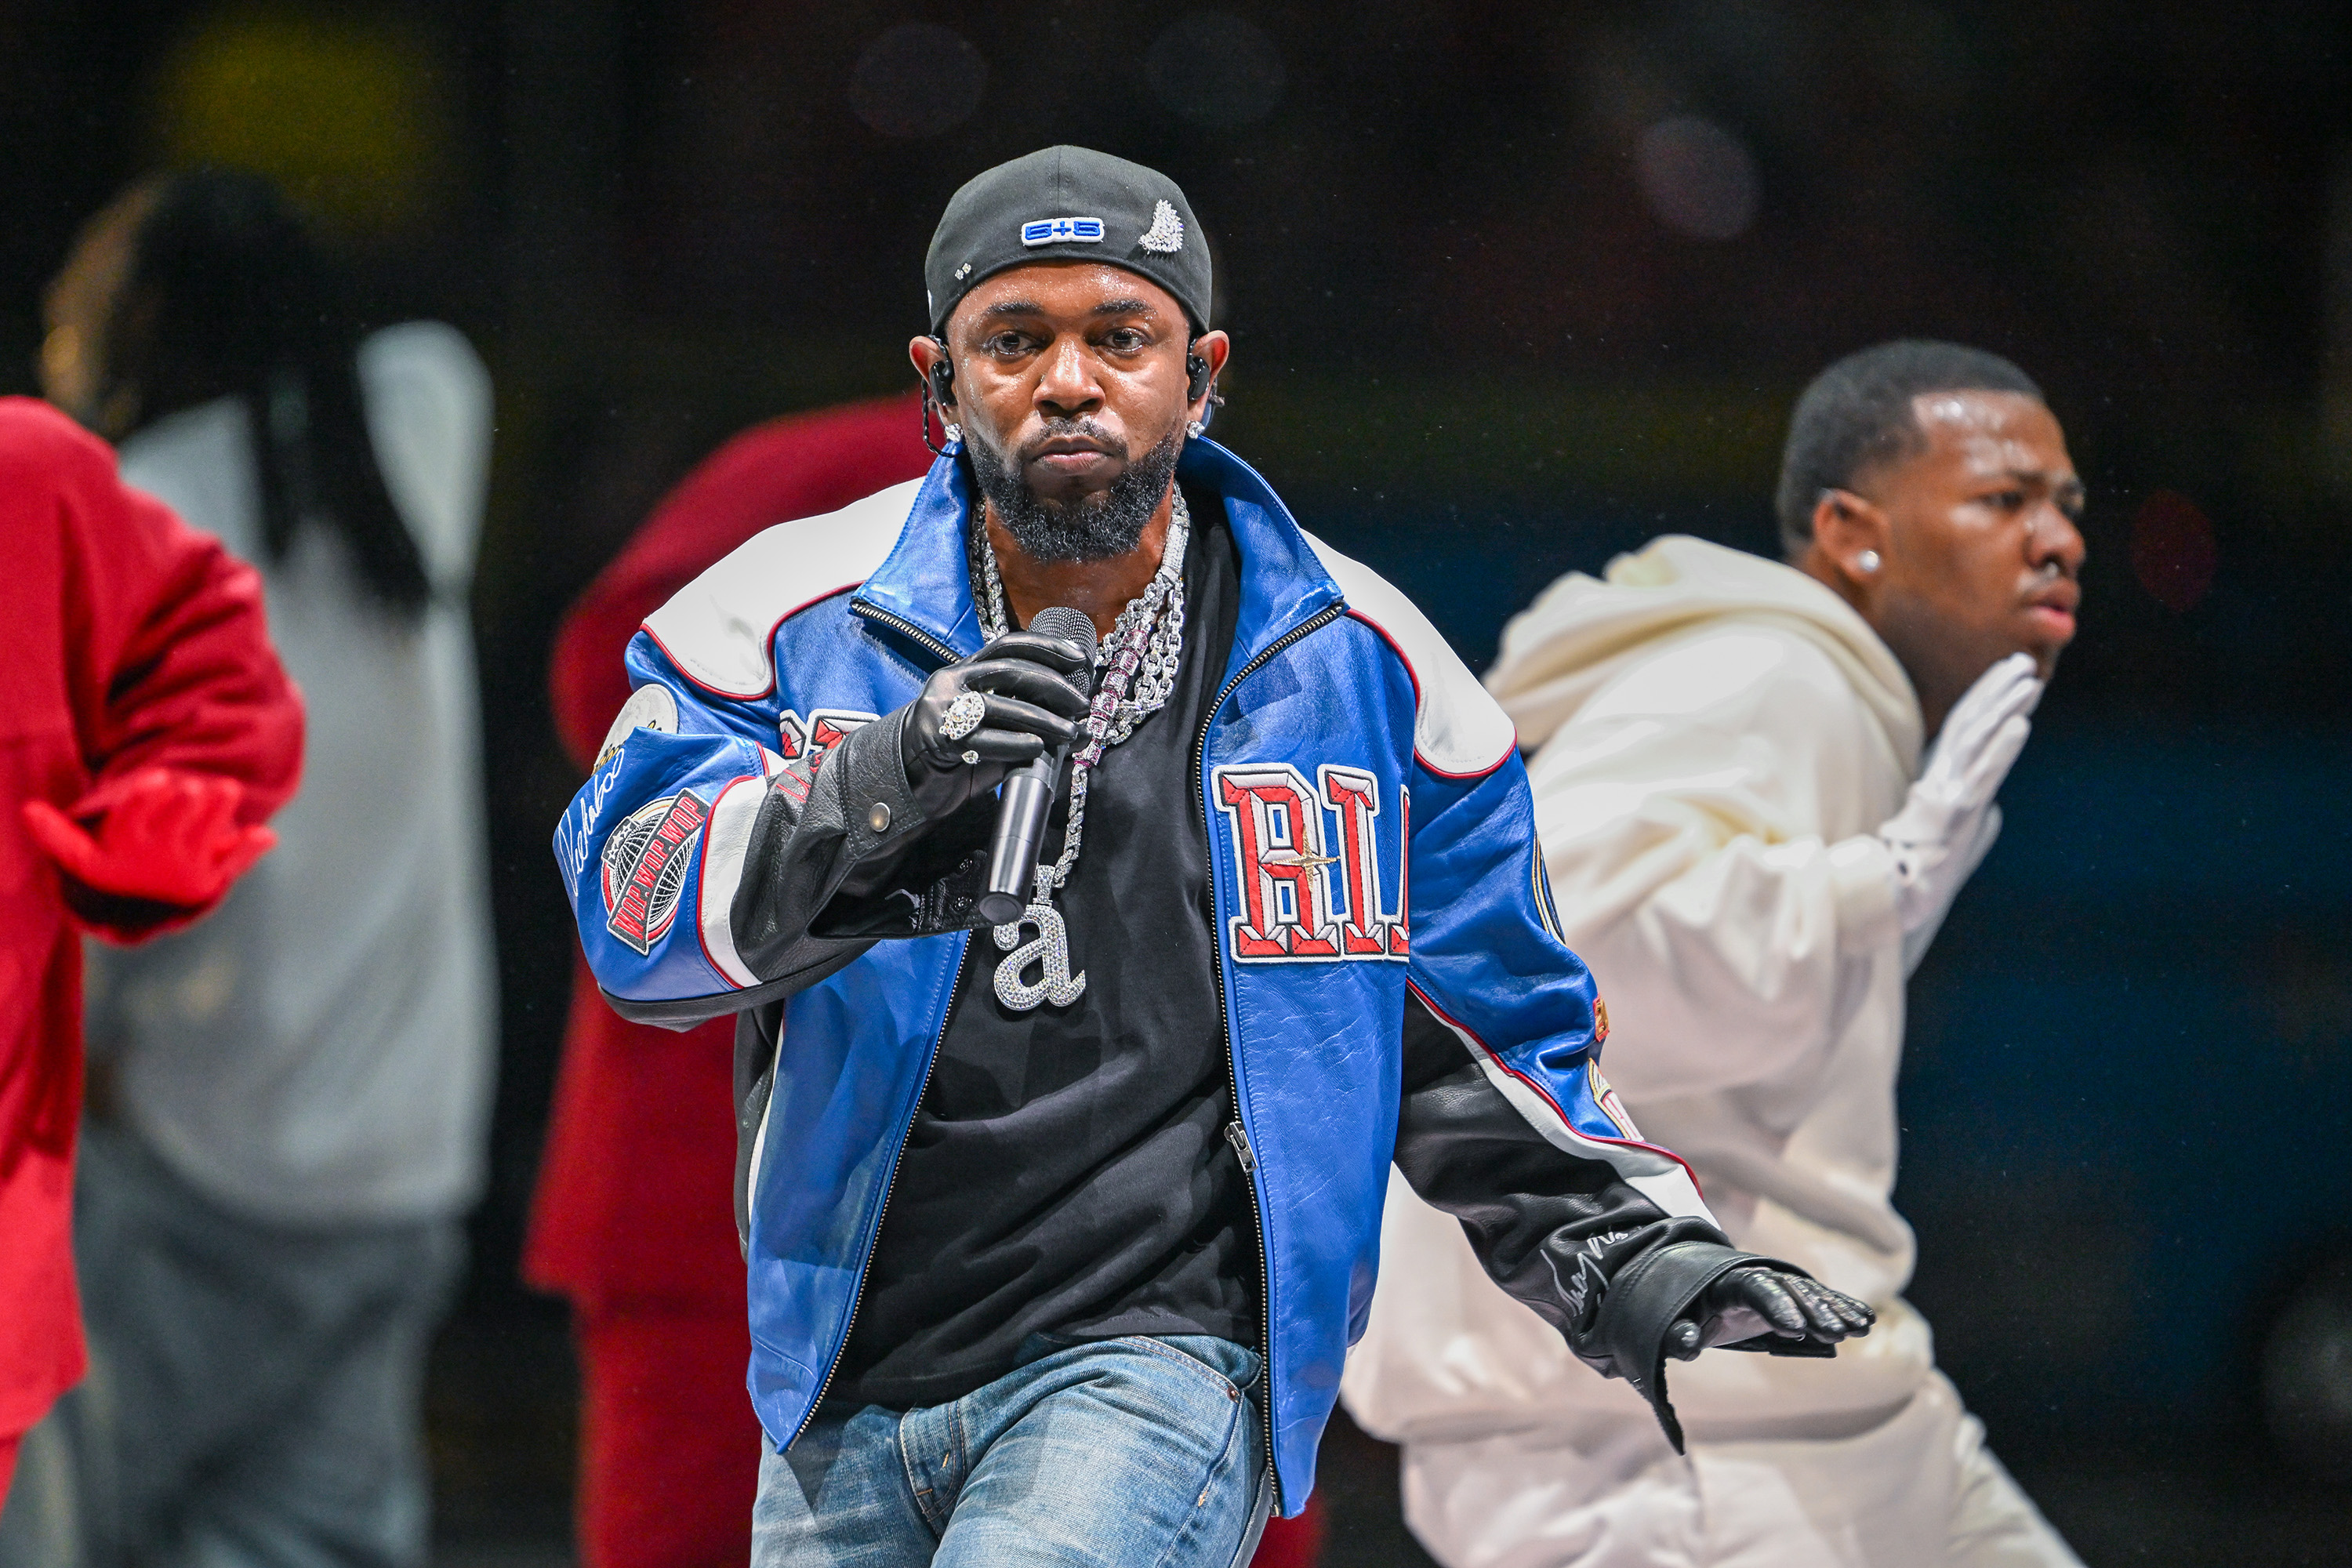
point(964, 715)
point(972, 759)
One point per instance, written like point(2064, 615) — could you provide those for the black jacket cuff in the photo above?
point(1650, 1294)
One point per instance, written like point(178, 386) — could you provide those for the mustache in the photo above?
point(1080, 428)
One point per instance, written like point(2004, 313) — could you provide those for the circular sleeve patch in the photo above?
point(648, 708)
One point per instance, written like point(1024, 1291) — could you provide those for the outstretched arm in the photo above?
point(1568, 1225)
point(1506, 1123)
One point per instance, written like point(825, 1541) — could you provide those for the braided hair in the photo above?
point(227, 295)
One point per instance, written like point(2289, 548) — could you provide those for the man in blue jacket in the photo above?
point(1058, 1235)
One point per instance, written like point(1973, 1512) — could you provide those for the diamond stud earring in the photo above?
point(1193, 428)
point(1868, 562)
point(954, 432)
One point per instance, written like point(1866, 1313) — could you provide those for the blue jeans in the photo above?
point(1142, 1451)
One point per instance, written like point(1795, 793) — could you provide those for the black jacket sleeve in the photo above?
point(1561, 1233)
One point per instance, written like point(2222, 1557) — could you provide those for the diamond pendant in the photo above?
point(1050, 947)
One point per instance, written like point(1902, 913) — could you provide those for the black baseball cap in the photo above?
point(1068, 202)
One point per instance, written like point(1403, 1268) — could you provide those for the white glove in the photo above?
point(1950, 820)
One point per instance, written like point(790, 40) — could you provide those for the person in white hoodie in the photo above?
point(1744, 842)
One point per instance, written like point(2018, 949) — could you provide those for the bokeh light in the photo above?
point(917, 80)
point(350, 117)
point(2173, 552)
point(1698, 178)
point(1215, 70)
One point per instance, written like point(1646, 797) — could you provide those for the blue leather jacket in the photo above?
point(1393, 977)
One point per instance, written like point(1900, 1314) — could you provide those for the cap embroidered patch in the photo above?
point(1078, 202)
point(1063, 231)
point(1166, 235)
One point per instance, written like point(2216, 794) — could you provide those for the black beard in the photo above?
point(1101, 527)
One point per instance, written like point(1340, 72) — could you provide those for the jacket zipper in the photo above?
point(904, 627)
point(888, 1188)
point(1236, 1133)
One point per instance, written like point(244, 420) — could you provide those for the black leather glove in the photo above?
point(1786, 1312)
point(1034, 690)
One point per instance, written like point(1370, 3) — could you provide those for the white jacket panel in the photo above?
point(1719, 737)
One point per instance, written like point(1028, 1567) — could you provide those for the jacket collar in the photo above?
point(925, 584)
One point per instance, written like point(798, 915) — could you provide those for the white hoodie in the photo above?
point(1715, 739)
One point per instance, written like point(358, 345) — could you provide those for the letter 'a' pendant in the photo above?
point(1050, 948)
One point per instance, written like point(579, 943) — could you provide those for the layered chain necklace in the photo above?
point(1138, 665)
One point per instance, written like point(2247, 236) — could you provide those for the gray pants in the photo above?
point(254, 1395)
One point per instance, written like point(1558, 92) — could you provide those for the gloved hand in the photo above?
point(162, 836)
point(1950, 820)
point(1749, 1303)
point(1033, 692)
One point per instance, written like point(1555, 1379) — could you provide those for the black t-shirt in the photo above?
point(1068, 1172)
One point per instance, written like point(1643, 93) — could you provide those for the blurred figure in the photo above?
point(634, 1221)
point(150, 732)
point(269, 1207)
point(1744, 842)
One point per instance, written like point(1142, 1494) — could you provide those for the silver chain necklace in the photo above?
point(1137, 662)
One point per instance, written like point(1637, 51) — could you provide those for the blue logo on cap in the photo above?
point(1063, 231)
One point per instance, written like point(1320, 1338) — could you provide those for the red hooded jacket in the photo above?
point(127, 641)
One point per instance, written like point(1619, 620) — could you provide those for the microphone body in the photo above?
point(1027, 798)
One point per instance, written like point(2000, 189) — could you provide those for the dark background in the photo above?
point(1512, 288)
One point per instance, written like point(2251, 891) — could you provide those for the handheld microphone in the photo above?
point(1028, 794)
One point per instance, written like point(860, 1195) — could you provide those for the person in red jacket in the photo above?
point(146, 732)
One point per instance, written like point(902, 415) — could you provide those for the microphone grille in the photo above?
point(1067, 624)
